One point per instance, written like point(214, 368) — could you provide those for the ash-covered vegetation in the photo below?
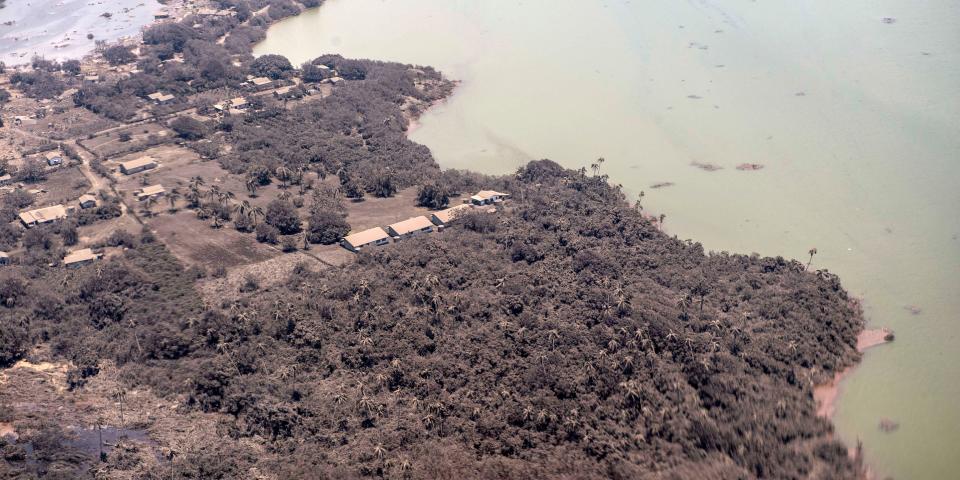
point(564, 336)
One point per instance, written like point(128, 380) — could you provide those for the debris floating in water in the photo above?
point(888, 20)
point(887, 425)
point(750, 166)
point(913, 309)
point(709, 167)
point(662, 185)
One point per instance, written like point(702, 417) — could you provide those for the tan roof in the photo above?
point(43, 215)
point(82, 255)
point(4, 255)
point(87, 198)
point(411, 225)
point(233, 102)
point(367, 236)
point(485, 194)
point(140, 162)
point(283, 90)
point(53, 154)
point(445, 216)
point(155, 96)
point(260, 81)
point(150, 191)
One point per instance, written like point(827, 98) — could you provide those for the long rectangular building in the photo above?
point(356, 241)
point(40, 216)
point(138, 165)
point(410, 227)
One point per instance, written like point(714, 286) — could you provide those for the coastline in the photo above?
point(826, 395)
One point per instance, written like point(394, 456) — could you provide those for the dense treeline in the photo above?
point(358, 132)
point(564, 336)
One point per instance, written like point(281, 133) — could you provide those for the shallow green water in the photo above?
point(856, 120)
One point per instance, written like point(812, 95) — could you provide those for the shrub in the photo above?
point(326, 228)
point(433, 195)
point(189, 128)
point(283, 216)
point(267, 233)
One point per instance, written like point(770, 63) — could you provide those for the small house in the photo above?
point(161, 14)
point(283, 92)
point(4, 258)
point(233, 104)
point(375, 236)
point(138, 165)
point(149, 191)
point(260, 82)
point(487, 197)
point(5, 179)
point(91, 78)
point(80, 257)
point(161, 98)
point(44, 215)
point(54, 158)
point(444, 217)
point(410, 227)
point(87, 201)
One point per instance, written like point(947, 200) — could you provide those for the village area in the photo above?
point(64, 168)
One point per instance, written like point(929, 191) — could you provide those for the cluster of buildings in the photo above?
point(53, 213)
point(415, 226)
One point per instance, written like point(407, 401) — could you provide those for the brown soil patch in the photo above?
point(195, 242)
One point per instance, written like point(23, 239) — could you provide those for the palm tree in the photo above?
point(283, 174)
point(663, 216)
point(812, 252)
point(639, 204)
point(213, 193)
point(148, 205)
point(252, 185)
point(701, 290)
point(243, 209)
point(172, 197)
point(255, 212)
point(684, 304)
point(196, 182)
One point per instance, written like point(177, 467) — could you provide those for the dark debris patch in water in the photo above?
point(708, 167)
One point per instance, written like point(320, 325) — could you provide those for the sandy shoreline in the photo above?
point(826, 395)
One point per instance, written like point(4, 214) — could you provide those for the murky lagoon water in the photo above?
point(856, 120)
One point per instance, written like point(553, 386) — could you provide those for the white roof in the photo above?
point(411, 225)
point(261, 81)
point(367, 236)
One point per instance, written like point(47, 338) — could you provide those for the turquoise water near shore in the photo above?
point(852, 108)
